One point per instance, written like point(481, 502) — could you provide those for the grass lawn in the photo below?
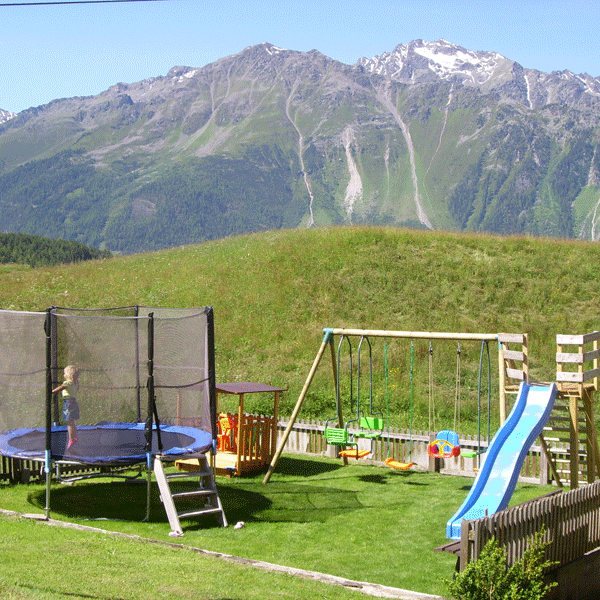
point(52, 563)
point(362, 522)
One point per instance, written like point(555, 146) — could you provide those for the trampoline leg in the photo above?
point(148, 494)
point(48, 483)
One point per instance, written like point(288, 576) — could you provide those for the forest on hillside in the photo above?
point(37, 251)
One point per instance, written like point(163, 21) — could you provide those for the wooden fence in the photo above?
point(402, 445)
point(571, 520)
point(17, 470)
point(255, 445)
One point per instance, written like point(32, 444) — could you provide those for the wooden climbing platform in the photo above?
point(570, 435)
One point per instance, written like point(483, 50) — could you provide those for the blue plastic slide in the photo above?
point(498, 475)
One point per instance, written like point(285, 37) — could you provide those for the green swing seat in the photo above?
point(338, 436)
point(370, 427)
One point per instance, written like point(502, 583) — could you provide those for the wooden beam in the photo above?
point(422, 335)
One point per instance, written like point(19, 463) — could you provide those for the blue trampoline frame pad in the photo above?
point(105, 443)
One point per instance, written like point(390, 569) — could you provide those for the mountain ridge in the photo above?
point(430, 135)
point(392, 64)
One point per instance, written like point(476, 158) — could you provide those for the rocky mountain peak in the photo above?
point(424, 62)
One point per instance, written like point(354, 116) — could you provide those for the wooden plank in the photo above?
point(570, 377)
point(577, 357)
point(515, 374)
point(465, 544)
point(451, 548)
point(514, 338)
point(577, 340)
point(591, 374)
point(569, 340)
point(569, 357)
point(591, 355)
point(574, 377)
point(513, 355)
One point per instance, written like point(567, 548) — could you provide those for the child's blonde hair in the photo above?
point(71, 373)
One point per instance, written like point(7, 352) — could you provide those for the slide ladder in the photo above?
point(205, 491)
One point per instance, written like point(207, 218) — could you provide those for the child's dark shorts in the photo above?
point(70, 411)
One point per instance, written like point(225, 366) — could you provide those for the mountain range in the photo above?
point(430, 135)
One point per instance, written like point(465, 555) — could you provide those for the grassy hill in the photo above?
point(273, 293)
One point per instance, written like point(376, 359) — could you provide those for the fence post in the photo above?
point(465, 545)
point(434, 463)
point(544, 470)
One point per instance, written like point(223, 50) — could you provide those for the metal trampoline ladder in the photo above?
point(206, 491)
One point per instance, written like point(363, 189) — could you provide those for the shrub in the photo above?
point(489, 578)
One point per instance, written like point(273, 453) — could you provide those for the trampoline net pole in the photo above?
point(148, 493)
point(48, 454)
point(151, 410)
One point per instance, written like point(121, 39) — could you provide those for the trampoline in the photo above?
point(105, 444)
point(146, 386)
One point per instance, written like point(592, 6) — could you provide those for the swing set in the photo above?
point(370, 423)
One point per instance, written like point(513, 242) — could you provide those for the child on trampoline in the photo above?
point(70, 409)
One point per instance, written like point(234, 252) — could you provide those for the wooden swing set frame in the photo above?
point(508, 381)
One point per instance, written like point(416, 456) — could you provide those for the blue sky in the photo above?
point(59, 51)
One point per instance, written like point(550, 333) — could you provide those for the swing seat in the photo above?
point(354, 453)
point(446, 445)
point(338, 436)
point(395, 464)
point(370, 428)
point(472, 453)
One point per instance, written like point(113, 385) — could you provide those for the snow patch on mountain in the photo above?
point(5, 115)
point(413, 62)
point(272, 50)
point(447, 59)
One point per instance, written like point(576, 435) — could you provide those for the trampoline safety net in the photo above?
point(136, 365)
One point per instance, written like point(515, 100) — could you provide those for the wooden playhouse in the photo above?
point(246, 442)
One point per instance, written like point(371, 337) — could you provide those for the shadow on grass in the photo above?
point(286, 502)
point(291, 497)
point(242, 501)
point(382, 479)
point(305, 467)
point(56, 593)
point(110, 500)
